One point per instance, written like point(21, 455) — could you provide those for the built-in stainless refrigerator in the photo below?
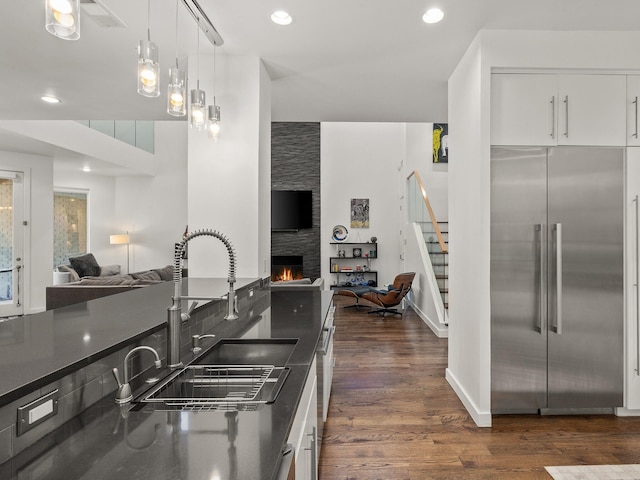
point(556, 278)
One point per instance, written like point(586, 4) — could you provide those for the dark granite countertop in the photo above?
point(110, 442)
point(37, 349)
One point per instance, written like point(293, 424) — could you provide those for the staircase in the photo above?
point(439, 259)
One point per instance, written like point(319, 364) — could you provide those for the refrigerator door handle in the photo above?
point(637, 285)
point(541, 282)
point(557, 325)
point(553, 117)
point(566, 116)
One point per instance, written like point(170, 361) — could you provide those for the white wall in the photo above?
point(224, 177)
point(419, 156)
point(153, 209)
point(363, 160)
point(469, 188)
point(264, 176)
point(469, 369)
point(38, 259)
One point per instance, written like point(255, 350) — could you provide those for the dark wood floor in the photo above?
point(394, 416)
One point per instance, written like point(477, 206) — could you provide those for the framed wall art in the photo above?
point(359, 213)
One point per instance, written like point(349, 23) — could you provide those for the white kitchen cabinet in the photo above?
point(303, 431)
point(592, 110)
point(632, 253)
point(633, 110)
point(558, 109)
point(523, 109)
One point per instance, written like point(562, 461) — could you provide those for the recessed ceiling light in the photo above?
point(281, 17)
point(86, 168)
point(433, 15)
point(49, 99)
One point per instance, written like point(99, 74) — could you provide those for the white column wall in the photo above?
point(469, 369)
point(224, 187)
point(469, 222)
point(363, 160)
point(153, 209)
point(264, 174)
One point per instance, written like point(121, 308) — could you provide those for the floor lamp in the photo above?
point(121, 240)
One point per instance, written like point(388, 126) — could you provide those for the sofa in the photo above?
point(89, 281)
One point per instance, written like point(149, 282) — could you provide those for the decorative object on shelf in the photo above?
point(340, 233)
point(342, 253)
point(440, 143)
point(374, 239)
point(359, 213)
point(357, 252)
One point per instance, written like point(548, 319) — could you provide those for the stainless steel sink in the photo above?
point(249, 352)
point(213, 387)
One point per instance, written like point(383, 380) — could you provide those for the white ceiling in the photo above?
point(340, 60)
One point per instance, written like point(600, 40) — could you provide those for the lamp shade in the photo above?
point(62, 18)
point(119, 239)
point(148, 76)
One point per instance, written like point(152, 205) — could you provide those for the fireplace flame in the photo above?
point(286, 275)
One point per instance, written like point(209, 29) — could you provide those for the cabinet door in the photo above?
point(633, 110)
point(592, 110)
point(307, 457)
point(632, 264)
point(524, 109)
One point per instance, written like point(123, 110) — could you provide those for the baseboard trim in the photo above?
point(482, 419)
point(440, 330)
point(627, 412)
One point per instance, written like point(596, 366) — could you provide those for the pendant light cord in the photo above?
point(149, 20)
point(214, 74)
point(177, 34)
point(198, 57)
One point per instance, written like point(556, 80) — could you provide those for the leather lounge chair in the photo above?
point(385, 299)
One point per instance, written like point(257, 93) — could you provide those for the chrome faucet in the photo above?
point(175, 316)
point(124, 394)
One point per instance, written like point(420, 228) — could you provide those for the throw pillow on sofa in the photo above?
point(86, 265)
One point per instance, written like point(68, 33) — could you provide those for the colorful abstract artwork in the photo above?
point(440, 143)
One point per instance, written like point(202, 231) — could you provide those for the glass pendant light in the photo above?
point(214, 121)
point(177, 88)
point(148, 67)
point(214, 110)
point(198, 102)
point(62, 18)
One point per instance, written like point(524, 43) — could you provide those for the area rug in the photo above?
point(595, 472)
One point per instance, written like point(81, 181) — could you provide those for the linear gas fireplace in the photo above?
point(285, 268)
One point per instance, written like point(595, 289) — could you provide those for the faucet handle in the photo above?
point(116, 374)
point(187, 315)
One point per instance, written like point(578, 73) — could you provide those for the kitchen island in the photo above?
point(139, 441)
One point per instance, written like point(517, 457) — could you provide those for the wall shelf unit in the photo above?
point(351, 264)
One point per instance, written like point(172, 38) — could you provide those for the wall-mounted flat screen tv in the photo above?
point(291, 209)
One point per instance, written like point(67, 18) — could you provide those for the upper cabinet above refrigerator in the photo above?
point(558, 109)
point(633, 110)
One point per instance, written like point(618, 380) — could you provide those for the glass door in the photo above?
point(11, 243)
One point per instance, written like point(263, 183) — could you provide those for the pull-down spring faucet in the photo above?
point(175, 317)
